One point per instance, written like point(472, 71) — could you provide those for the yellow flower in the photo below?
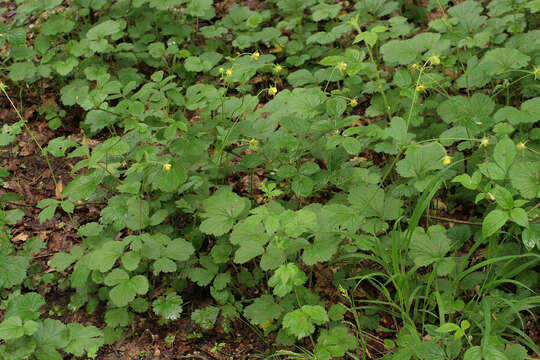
point(167, 167)
point(277, 48)
point(272, 91)
point(255, 55)
point(253, 144)
point(278, 68)
point(221, 70)
point(353, 102)
point(520, 146)
point(447, 160)
point(265, 325)
point(484, 142)
point(420, 88)
point(537, 73)
point(228, 72)
point(415, 66)
point(342, 66)
point(434, 60)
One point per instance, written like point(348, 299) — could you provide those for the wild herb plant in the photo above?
point(252, 152)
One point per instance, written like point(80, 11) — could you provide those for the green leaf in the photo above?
point(262, 310)
point(12, 268)
point(11, 328)
point(371, 201)
point(504, 153)
point(11, 217)
point(117, 317)
point(430, 351)
point(193, 63)
point(105, 257)
point(205, 317)
point(168, 307)
point(221, 210)
point(323, 248)
point(25, 306)
point(420, 162)
point(427, 248)
point(90, 229)
point(83, 339)
point(250, 235)
point(126, 289)
point(21, 71)
point(500, 60)
point(525, 177)
point(503, 197)
point(170, 180)
point(300, 322)
point(335, 343)
point(519, 216)
point(285, 278)
point(179, 249)
point(470, 182)
point(50, 335)
point(302, 185)
point(49, 208)
point(448, 327)
point(324, 11)
point(106, 28)
point(130, 260)
point(493, 222)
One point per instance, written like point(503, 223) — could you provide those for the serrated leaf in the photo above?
point(205, 317)
point(525, 177)
point(25, 306)
point(168, 307)
point(83, 339)
point(117, 317)
point(335, 342)
point(11, 328)
point(179, 249)
point(126, 290)
point(300, 322)
point(324, 246)
point(427, 248)
point(285, 278)
point(263, 309)
point(221, 210)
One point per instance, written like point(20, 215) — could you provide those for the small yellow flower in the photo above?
point(167, 167)
point(434, 60)
point(3, 86)
point(277, 48)
point(278, 68)
point(536, 73)
point(253, 144)
point(255, 55)
point(265, 325)
point(520, 146)
point(221, 70)
point(353, 102)
point(228, 72)
point(342, 66)
point(415, 66)
point(420, 88)
point(484, 142)
point(272, 91)
point(447, 160)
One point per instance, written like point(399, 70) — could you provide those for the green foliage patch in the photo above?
point(387, 150)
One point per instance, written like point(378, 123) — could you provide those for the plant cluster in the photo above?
point(256, 153)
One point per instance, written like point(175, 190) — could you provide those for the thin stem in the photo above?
point(379, 84)
point(43, 153)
